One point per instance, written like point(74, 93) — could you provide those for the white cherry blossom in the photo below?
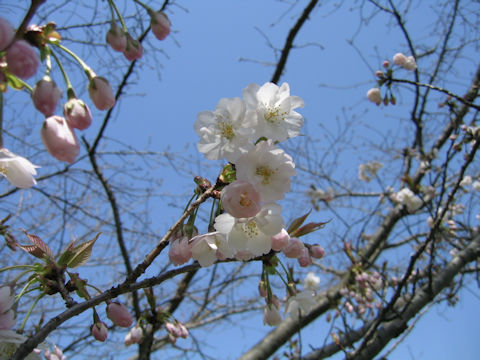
point(274, 110)
point(252, 234)
point(207, 248)
point(300, 303)
point(18, 170)
point(268, 168)
point(225, 132)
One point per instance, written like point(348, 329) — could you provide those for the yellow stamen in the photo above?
point(273, 115)
point(266, 173)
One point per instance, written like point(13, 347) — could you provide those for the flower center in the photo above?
point(266, 173)
point(244, 200)
point(3, 170)
point(251, 229)
point(226, 129)
point(273, 115)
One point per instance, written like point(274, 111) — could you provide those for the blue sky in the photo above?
point(217, 49)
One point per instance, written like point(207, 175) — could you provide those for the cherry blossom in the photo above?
point(160, 24)
point(240, 199)
point(300, 303)
point(268, 168)
point(252, 234)
point(374, 96)
point(225, 132)
point(45, 96)
point(18, 170)
point(274, 107)
point(207, 248)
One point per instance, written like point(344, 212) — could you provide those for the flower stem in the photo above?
point(119, 14)
point(88, 71)
point(29, 312)
point(70, 91)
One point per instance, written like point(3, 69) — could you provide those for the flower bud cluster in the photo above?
point(122, 41)
point(56, 354)
point(361, 296)
point(175, 330)
point(134, 336)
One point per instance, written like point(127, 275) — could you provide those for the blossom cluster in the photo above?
point(245, 131)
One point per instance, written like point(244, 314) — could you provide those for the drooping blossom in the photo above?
point(101, 93)
point(176, 329)
point(22, 59)
point(99, 331)
point(268, 168)
point(274, 107)
point(133, 50)
point(180, 251)
point(252, 234)
point(476, 185)
point(374, 96)
point(18, 170)
point(59, 139)
point(45, 96)
point(6, 33)
point(240, 199)
point(119, 314)
point(116, 38)
point(134, 336)
point(77, 114)
point(225, 132)
point(160, 24)
point(207, 248)
point(300, 303)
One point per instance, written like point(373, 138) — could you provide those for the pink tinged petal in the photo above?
point(280, 240)
point(99, 331)
point(7, 320)
point(6, 298)
point(240, 199)
point(116, 38)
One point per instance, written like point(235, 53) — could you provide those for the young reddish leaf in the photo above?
point(81, 253)
point(308, 228)
point(39, 249)
point(297, 223)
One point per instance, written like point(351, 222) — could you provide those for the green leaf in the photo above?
point(81, 253)
point(298, 222)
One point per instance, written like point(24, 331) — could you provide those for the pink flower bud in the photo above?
point(134, 49)
point(240, 199)
point(180, 251)
point(160, 25)
point(317, 252)
point(280, 240)
point(22, 60)
point(116, 38)
point(119, 314)
point(101, 93)
point(262, 289)
point(6, 33)
point(294, 248)
point(182, 330)
point(77, 114)
point(59, 139)
point(172, 329)
point(45, 96)
point(134, 336)
point(399, 59)
point(305, 259)
point(271, 315)
point(386, 64)
point(374, 96)
point(99, 331)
